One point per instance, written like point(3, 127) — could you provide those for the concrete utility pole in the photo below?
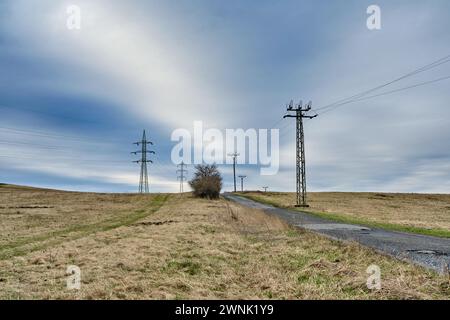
point(234, 155)
point(181, 176)
point(300, 113)
point(242, 182)
point(265, 189)
point(143, 181)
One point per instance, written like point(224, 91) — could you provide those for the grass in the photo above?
point(44, 240)
point(187, 266)
point(370, 218)
point(209, 250)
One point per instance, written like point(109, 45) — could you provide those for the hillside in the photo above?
point(175, 246)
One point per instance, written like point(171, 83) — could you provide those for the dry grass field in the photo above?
point(419, 213)
point(178, 247)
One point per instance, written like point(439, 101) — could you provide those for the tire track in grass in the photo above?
point(39, 242)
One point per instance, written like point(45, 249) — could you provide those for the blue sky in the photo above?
point(71, 102)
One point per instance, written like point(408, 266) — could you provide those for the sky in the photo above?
point(72, 102)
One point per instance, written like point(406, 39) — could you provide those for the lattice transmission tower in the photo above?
point(300, 113)
point(182, 175)
point(143, 181)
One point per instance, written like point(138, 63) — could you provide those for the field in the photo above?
point(427, 214)
point(178, 247)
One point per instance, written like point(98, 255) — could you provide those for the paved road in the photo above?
point(427, 251)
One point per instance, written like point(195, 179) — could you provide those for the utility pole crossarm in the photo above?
point(148, 151)
point(143, 142)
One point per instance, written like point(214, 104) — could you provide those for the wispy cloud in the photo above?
point(165, 64)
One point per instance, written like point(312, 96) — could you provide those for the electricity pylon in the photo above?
point(242, 182)
point(181, 176)
point(234, 155)
point(265, 189)
point(300, 112)
point(143, 181)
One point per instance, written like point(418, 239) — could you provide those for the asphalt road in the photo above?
point(429, 252)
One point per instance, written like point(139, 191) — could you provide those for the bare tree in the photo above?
point(207, 181)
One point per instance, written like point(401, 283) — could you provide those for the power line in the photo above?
point(425, 68)
point(18, 143)
point(288, 126)
point(280, 120)
point(412, 73)
point(39, 133)
point(162, 168)
point(33, 157)
point(48, 135)
point(276, 123)
point(385, 93)
point(51, 114)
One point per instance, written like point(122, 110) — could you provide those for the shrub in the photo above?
point(207, 181)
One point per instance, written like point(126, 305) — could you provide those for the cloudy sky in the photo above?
point(73, 101)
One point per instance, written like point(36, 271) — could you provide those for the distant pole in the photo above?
point(242, 182)
point(181, 176)
point(265, 189)
point(234, 155)
point(143, 180)
point(300, 113)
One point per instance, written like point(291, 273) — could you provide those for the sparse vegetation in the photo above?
point(186, 248)
point(37, 226)
point(426, 214)
point(207, 181)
